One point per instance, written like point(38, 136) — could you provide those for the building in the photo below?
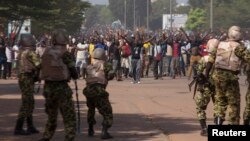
point(178, 20)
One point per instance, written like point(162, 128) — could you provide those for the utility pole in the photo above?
point(171, 16)
point(211, 15)
point(134, 16)
point(148, 14)
point(125, 14)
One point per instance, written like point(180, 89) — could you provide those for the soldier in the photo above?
point(246, 114)
point(58, 67)
point(227, 59)
point(206, 88)
point(96, 95)
point(28, 68)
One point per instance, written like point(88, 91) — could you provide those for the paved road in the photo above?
point(155, 110)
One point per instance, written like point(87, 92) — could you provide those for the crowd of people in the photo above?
point(214, 61)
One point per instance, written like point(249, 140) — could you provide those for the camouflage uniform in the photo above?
point(227, 88)
point(206, 92)
point(29, 65)
point(58, 66)
point(58, 95)
point(97, 97)
point(246, 114)
point(26, 84)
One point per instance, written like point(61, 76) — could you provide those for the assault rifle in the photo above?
point(199, 79)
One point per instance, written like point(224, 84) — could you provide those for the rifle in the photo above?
point(78, 108)
point(199, 79)
point(194, 81)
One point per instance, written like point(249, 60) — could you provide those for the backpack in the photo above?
point(126, 51)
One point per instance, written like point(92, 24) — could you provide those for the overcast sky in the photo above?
point(106, 1)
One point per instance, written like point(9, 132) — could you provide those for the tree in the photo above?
point(196, 19)
point(198, 3)
point(159, 8)
point(98, 14)
point(46, 14)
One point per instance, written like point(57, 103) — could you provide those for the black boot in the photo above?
point(203, 127)
point(31, 129)
point(91, 131)
point(246, 121)
point(19, 128)
point(218, 121)
point(105, 134)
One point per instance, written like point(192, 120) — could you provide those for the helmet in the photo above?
point(99, 54)
point(27, 40)
point(211, 44)
point(60, 37)
point(234, 33)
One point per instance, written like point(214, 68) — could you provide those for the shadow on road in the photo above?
point(126, 127)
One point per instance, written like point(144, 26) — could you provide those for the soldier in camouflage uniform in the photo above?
point(246, 114)
point(227, 59)
point(29, 65)
point(58, 67)
point(96, 95)
point(206, 88)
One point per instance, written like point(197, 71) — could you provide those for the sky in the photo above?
point(106, 1)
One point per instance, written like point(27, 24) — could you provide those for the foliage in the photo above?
point(46, 14)
point(159, 8)
point(98, 14)
point(196, 19)
point(198, 3)
point(225, 13)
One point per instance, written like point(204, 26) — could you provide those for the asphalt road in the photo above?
point(155, 110)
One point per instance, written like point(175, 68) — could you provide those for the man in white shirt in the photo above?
point(82, 57)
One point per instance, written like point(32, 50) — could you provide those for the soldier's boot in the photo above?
point(19, 128)
point(31, 129)
point(105, 134)
point(246, 121)
point(203, 127)
point(218, 121)
point(91, 131)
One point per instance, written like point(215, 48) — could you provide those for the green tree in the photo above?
point(196, 19)
point(198, 3)
point(98, 14)
point(46, 14)
point(235, 12)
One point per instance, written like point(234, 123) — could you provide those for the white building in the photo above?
point(178, 20)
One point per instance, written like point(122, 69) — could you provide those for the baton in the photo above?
point(78, 108)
